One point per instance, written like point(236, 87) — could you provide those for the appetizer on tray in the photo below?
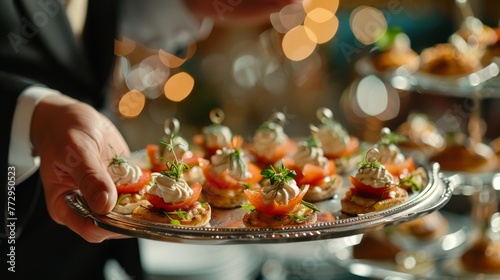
point(227, 174)
point(377, 245)
point(270, 144)
point(421, 134)
point(446, 60)
point(130, 181)
point(170, 199)
point(391, 157)
point(158, 154)
point(214, 136)
point(278, 203)
point(373, 188)
point(427, 228)
point(314, 169)
point(335, 140)
point(394, 51)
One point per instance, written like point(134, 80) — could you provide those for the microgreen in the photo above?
point(174, 222)
point(297, 218)
point(414, 186)
point(246, 185)
point(281, 176)
point(388, 137)
point(278, 178)
point(116, 160)
point(176, 167)
point(248, 207)
point(372, 164)
point(180, 213)
point(312, 142)
point(310, 206)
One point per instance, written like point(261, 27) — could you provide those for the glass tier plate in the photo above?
point(419, 259)
point(483, 83)
point(226, 226)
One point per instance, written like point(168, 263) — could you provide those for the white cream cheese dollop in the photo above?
point(217, 135)
point(285, 193)
point(267, 138)
point(224, 159)
point(375, 177)
point(333, 137)
point(170, 190)
point(308, 154)
point(124, 173)
point(390, 154)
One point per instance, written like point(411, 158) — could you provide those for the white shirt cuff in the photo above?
point(20, 149)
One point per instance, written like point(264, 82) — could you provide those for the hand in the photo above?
point(73, 141)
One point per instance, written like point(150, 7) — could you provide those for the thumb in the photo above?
point(95, 183)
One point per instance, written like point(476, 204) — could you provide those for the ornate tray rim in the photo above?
point(434, 196)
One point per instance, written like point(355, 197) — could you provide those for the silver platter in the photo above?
point(226, 226)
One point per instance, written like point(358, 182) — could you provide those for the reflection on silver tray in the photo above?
point(226, 226)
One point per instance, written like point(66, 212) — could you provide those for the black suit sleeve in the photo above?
point(11, 87)
point(44, 249)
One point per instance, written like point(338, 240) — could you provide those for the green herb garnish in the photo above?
point(409, 181)
point(388, 137)
point(310, 206)
point(116, 160)
point(174, 222)
point(312, 142)
point(372, 164)
point(176, 167)
point(281, 176)
point(278, 178)
point(248, 207)
point(236, 161)
point(179, 213)
point(297, 218)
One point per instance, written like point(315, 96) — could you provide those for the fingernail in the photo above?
point(100, 201)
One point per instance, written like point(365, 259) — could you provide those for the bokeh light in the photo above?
point(288, 18)
point(324, 28)
point(124, 47)
point(368, 24)
point(373, 97)
point(245, 70)
point(179, 86)
point(170, 60)
point(148, 76)
point(329, 5)
point(297, 44)
point(131, 104)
